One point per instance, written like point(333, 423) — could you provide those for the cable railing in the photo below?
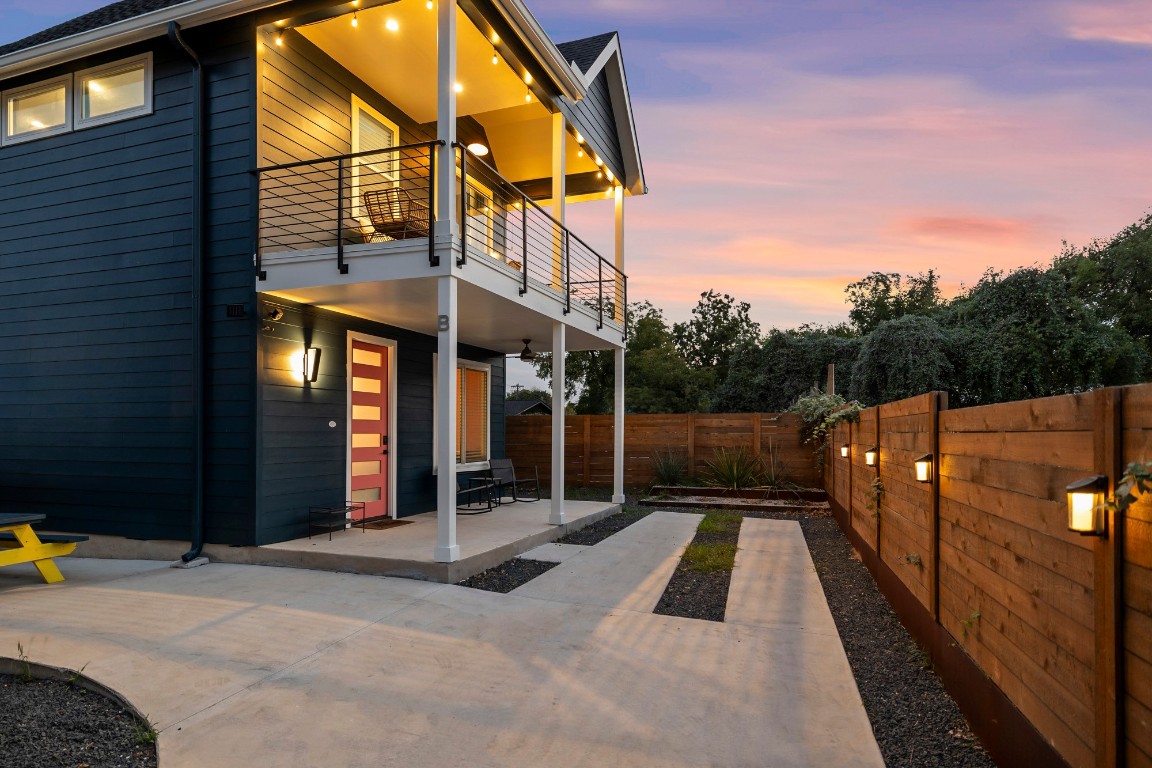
point(385, 195)
point(364, 197)
point(500, 221)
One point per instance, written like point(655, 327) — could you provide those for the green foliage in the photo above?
point(773, 472)
point(821, 412)
point(771, 376)
point(1136, 480)
point(528, 394)
point(669, 467)
point(875, 494)
point(25, 666)
point(719, 327)
point(710, 558)
point(900, 358)
point(144, 732)
point(720, 521)
point(733, 468)
point(881, 297)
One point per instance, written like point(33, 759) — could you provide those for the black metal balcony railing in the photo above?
point(390, 194)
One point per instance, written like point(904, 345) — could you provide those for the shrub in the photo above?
point(734, 468)
point(670, 467)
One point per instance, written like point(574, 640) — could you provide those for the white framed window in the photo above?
point(115, 91)
point(38, 110)
point(473, 422)
point(371, 130)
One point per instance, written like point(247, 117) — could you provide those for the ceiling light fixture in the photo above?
point(478, 149)
point(428, 5)
point(495, 38)
point(458, 88)
point(392, 25)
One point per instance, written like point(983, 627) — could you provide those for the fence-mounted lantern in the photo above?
point(310, 364)
point(872, 456)
point(924, 468)
point(1086, 505)
point(845, 450)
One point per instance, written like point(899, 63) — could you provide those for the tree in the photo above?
point(529, 394)
point(656, 378)
point(1115, 278)
point(902, 358)
point(884, 296)
point(718, 328)
point(769, 377)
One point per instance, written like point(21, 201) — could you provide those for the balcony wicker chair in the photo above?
point(396, 214)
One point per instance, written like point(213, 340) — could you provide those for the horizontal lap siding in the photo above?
point(594, 117)
point(589, 452)
point(95, 300)
point(303, 459)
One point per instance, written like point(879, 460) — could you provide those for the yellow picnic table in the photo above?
point(20, 544)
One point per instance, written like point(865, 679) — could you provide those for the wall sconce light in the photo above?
point(924, 468)
point(527, 355)
point(845, 450)
point(310, 364)
point(871, 456)
point(1086, 506)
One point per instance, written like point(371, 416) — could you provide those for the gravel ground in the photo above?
point(695, 595)
point(51, 723)
point(600, 530)
point(916, 722)
point(508, 575)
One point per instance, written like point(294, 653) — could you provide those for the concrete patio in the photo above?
point(241, 666)
point(405, 550)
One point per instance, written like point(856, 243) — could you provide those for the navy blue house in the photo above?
point(259, 256)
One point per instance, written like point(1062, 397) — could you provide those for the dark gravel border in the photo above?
point(508, 575)
point(695, 595)
point(52, 723)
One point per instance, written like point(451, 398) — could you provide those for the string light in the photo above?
point(528, 97)
point(428, 5)
point(279, 38)
point(355, 21)
point(495, 57)
point(528, 78)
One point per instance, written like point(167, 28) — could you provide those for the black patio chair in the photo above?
point(475, 494)
point(504, 477)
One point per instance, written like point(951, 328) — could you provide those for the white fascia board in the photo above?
point(533, 35)
point(192, 13)
point(622, 109)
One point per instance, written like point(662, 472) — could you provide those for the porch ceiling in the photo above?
point(401, 65)
point(486, 319)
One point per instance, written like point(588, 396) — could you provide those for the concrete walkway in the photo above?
point(251, 666)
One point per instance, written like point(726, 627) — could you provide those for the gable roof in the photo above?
point(526, 408)
point(585, 51)
point(101, 17)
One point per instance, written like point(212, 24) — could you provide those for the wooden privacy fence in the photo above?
point(981, 559)
point(588, 448)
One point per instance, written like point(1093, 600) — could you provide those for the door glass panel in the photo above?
point(371, 440)
point(360, 468)
point(366, 413)
point(366, 357)
point(360, 384)
point(366, 494)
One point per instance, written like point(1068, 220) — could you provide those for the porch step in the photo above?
point(628, 570)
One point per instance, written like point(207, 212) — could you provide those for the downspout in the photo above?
point(198, 170)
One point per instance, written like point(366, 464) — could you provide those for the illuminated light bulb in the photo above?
point(355, 21)
point(495, 57)
point(579, 153)
point(392, 25)
point(279, 38)
point(579, 138)
point(528, 78)
point(608, 192)
point(528, 97)
point(609, 175)
point(428, 5)
point(458, 88)
point(495, 38)
point(599, 174)
point(596, 159)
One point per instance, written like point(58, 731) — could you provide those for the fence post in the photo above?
point(938, 402)
point(691, 425)
point(1108, 568)
point(587, 451)
point(756, 445)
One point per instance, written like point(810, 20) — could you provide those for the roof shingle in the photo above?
point(101, 17)
point(585, 51)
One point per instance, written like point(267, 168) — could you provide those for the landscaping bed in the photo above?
point(55, 722)
point(698, 588)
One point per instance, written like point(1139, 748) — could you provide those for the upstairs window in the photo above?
point(38, 110)
point(114, 92)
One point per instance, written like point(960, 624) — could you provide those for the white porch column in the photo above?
point(447, 550)
point(618, 433)
point(618, 196)
point(558, 344)
point(447, 211)
point(559, 190)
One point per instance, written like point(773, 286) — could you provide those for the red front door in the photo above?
point(369, 393)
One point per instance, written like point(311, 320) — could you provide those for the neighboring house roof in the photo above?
point(584, 52)
point(526, 408)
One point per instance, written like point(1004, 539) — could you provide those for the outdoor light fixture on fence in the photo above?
point(1086, 506)
point(872, 456)
point(924, 468)
point(310, 364)
point(845, 450)
point(527, 355)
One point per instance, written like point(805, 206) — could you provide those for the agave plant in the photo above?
point(669, 467)
point(734, 468)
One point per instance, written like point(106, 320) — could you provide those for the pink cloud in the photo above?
point(979, 229)
point(1125, 22)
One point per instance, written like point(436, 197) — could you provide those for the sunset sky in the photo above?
point(793, 147)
